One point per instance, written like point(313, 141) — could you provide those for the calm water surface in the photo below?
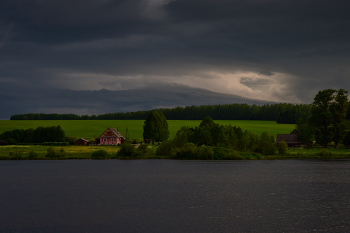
point(175, 196)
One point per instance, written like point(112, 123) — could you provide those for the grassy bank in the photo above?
point(40, 152)
point(84, 152)
point(93, 128)
point(63, 152)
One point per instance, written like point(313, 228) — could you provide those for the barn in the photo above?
point(290, 139)
point(111, 136)
point(82, 142)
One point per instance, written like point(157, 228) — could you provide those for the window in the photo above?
point(105, 139)
point(112, 139)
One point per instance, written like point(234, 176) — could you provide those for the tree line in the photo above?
point(38, 135)
point(283, 113)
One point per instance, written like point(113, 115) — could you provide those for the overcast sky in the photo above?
point(55, 54)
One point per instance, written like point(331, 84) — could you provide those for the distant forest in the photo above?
point(281, 113)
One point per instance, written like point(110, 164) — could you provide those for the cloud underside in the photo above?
point(106, 101)
point(265, 50)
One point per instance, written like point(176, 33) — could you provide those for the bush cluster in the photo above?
point(325, 153)
point(191, 151)
point(32, 155)
point(54, 154)
point(99, 154)
point(195, 143)
point(282, 147)
point(130, 151)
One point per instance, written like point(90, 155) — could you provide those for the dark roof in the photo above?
point(113, 131)
point(288, 138)
point(83, 139)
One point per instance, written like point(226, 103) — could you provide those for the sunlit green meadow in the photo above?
point(90, 129)
point(94, 128)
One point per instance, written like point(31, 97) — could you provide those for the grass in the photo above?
point(71, 152)
point(85, 152)
point(315, 153)
point(93, 128)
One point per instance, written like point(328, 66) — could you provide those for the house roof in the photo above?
point(288, 138)
point(111, 132)
point(83, 139)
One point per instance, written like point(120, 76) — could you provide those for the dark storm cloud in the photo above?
point(50, 100)
point(295, 47)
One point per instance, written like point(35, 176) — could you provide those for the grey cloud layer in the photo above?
point(46, 44)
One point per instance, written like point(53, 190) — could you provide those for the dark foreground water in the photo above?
point(175, 196)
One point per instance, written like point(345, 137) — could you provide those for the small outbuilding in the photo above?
point(82, 142)
point(290, 139)
point(147, 141)
point(111, 136)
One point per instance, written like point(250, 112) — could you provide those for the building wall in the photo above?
point(81, 142)
point(109, 141)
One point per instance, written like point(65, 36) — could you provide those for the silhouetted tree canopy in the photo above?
point(282, 113)
point(156, 127)
point(38, 135)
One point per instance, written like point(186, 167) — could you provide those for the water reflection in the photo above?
point(174, 196)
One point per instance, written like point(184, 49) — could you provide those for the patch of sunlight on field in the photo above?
point(94, 128)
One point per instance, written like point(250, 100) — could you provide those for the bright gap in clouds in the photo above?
point(272, 87)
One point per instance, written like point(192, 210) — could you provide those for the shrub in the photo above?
point(127, 150)
point(324, 153)
point(15, 155)
point(99, 154)
point(51, 153)
point(32, 155)
point(143, 149)
point(188, 151)
point(203, 152)
point(71, 140)
point(232, 155)
point(62, 152)
point(225, 153)
point(282, 147)
point(165, 148)
point(266, 145)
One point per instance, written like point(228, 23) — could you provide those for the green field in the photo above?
point(93, 128)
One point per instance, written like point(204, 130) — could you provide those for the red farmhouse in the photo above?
point(82, 142)
point(111, 137)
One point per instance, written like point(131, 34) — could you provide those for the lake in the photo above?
point(175, 196)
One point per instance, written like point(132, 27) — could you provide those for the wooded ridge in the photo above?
point(283, 113)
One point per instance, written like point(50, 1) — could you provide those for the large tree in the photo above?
point(339, 109)
point(328, 114)
point(305, 132)
point(156, 127)
point(321, 117)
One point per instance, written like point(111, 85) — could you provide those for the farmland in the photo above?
point(93, 128)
